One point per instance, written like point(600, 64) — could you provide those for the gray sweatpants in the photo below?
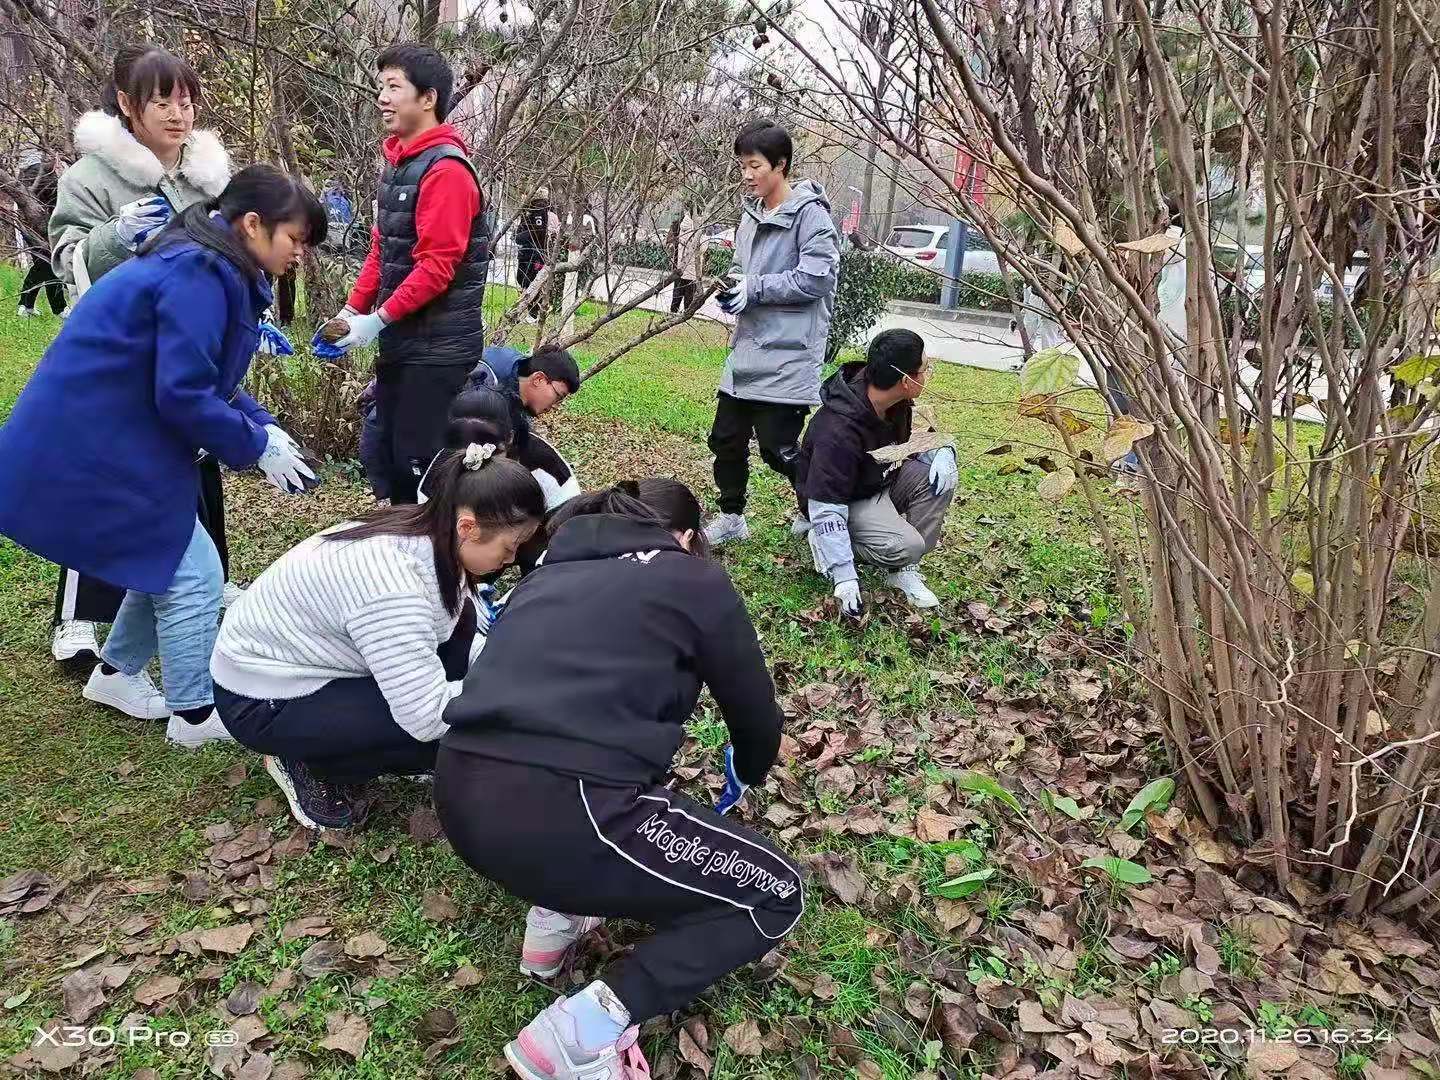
point(896, 527)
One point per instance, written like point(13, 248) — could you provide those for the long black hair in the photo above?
point(275, 196)
point(656, 500)
point(479, 416)
point(143, 73)
point(500, 493)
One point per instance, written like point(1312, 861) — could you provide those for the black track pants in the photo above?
point(718, 895)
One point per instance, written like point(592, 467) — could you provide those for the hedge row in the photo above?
point(977, 288)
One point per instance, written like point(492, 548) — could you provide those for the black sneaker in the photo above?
point(315, 803)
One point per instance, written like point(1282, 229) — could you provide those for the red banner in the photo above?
point(970, 175)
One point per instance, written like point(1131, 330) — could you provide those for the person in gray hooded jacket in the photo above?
point(787, 259)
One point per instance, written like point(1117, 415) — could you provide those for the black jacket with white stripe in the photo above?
point(600, 654)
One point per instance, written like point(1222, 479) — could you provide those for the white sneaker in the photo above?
point(24, 313)
point(799, 526)
point(722, 528)
point(134, 695)
point(230, 595)
point(180, 732)
point(909, 582)
point(75, 639)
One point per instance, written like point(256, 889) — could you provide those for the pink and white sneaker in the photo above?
point(549, 937)
point(549, 1049)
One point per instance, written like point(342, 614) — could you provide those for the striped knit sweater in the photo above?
point(343, 610)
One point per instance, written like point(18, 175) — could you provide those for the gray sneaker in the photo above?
point(723, 528)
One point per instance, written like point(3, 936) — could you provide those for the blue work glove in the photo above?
point(363, 330)
point(326, 350)
point(273, 341)
point(734, 786)
point(944, 470)
point(733, 300)
point(139, 220)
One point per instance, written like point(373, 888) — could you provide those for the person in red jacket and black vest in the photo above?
point(421, 289)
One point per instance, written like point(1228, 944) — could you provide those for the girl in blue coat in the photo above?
point(98, 459)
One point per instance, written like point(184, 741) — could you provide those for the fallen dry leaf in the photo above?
point(437, 1024)
point(690, 1049)
point(316, 926)
point(348, 1034)
point(1265, 1056)
point(423, 825)
point(466, 976)
point(744, 1038)
point(245, 998)
point(933, 828)
point(230, 940)
point(365, 946)
point(84, 994)
point(1336, 976)
point(322, 957)
point(258, 1066)
point(1033, 1021)
point(236, 774)
point(156, 989)
point(839, 875)
point(51, 1050)
point(438, 907)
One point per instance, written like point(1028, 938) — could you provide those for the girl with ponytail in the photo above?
point(554, 786)
point(98, 461)
point(339, 661)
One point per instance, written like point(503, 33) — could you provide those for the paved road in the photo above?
point(976, 345)
point(972, 344)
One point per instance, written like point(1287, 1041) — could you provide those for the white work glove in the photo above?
point(848, 594)
point(281, 462)
point(944, 470)
point(140, 219)
point(363, 330)
point(733, 300)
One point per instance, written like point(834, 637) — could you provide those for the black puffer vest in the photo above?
point(450, 329)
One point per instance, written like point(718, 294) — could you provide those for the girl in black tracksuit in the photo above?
point(554, 787)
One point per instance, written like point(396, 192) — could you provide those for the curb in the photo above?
point(999, 319)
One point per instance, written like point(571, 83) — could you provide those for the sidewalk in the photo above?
point(980, 339)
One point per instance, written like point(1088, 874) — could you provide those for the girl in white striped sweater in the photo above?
point(337, 664)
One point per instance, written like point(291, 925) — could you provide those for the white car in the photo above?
point(927, 246)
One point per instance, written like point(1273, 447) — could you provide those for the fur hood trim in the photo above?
point(204, 163)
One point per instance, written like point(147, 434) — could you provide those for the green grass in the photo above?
point(99, 799)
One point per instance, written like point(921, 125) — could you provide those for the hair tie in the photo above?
point(477, 454)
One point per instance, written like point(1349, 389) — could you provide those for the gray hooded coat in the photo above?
point(790, 257)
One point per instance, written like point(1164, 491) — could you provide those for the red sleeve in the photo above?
point(367, 285)
point(445, 205)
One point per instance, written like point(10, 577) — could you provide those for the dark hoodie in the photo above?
point(599, 657)
point(835, 465)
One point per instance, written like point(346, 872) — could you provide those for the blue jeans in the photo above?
point(181, 624)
